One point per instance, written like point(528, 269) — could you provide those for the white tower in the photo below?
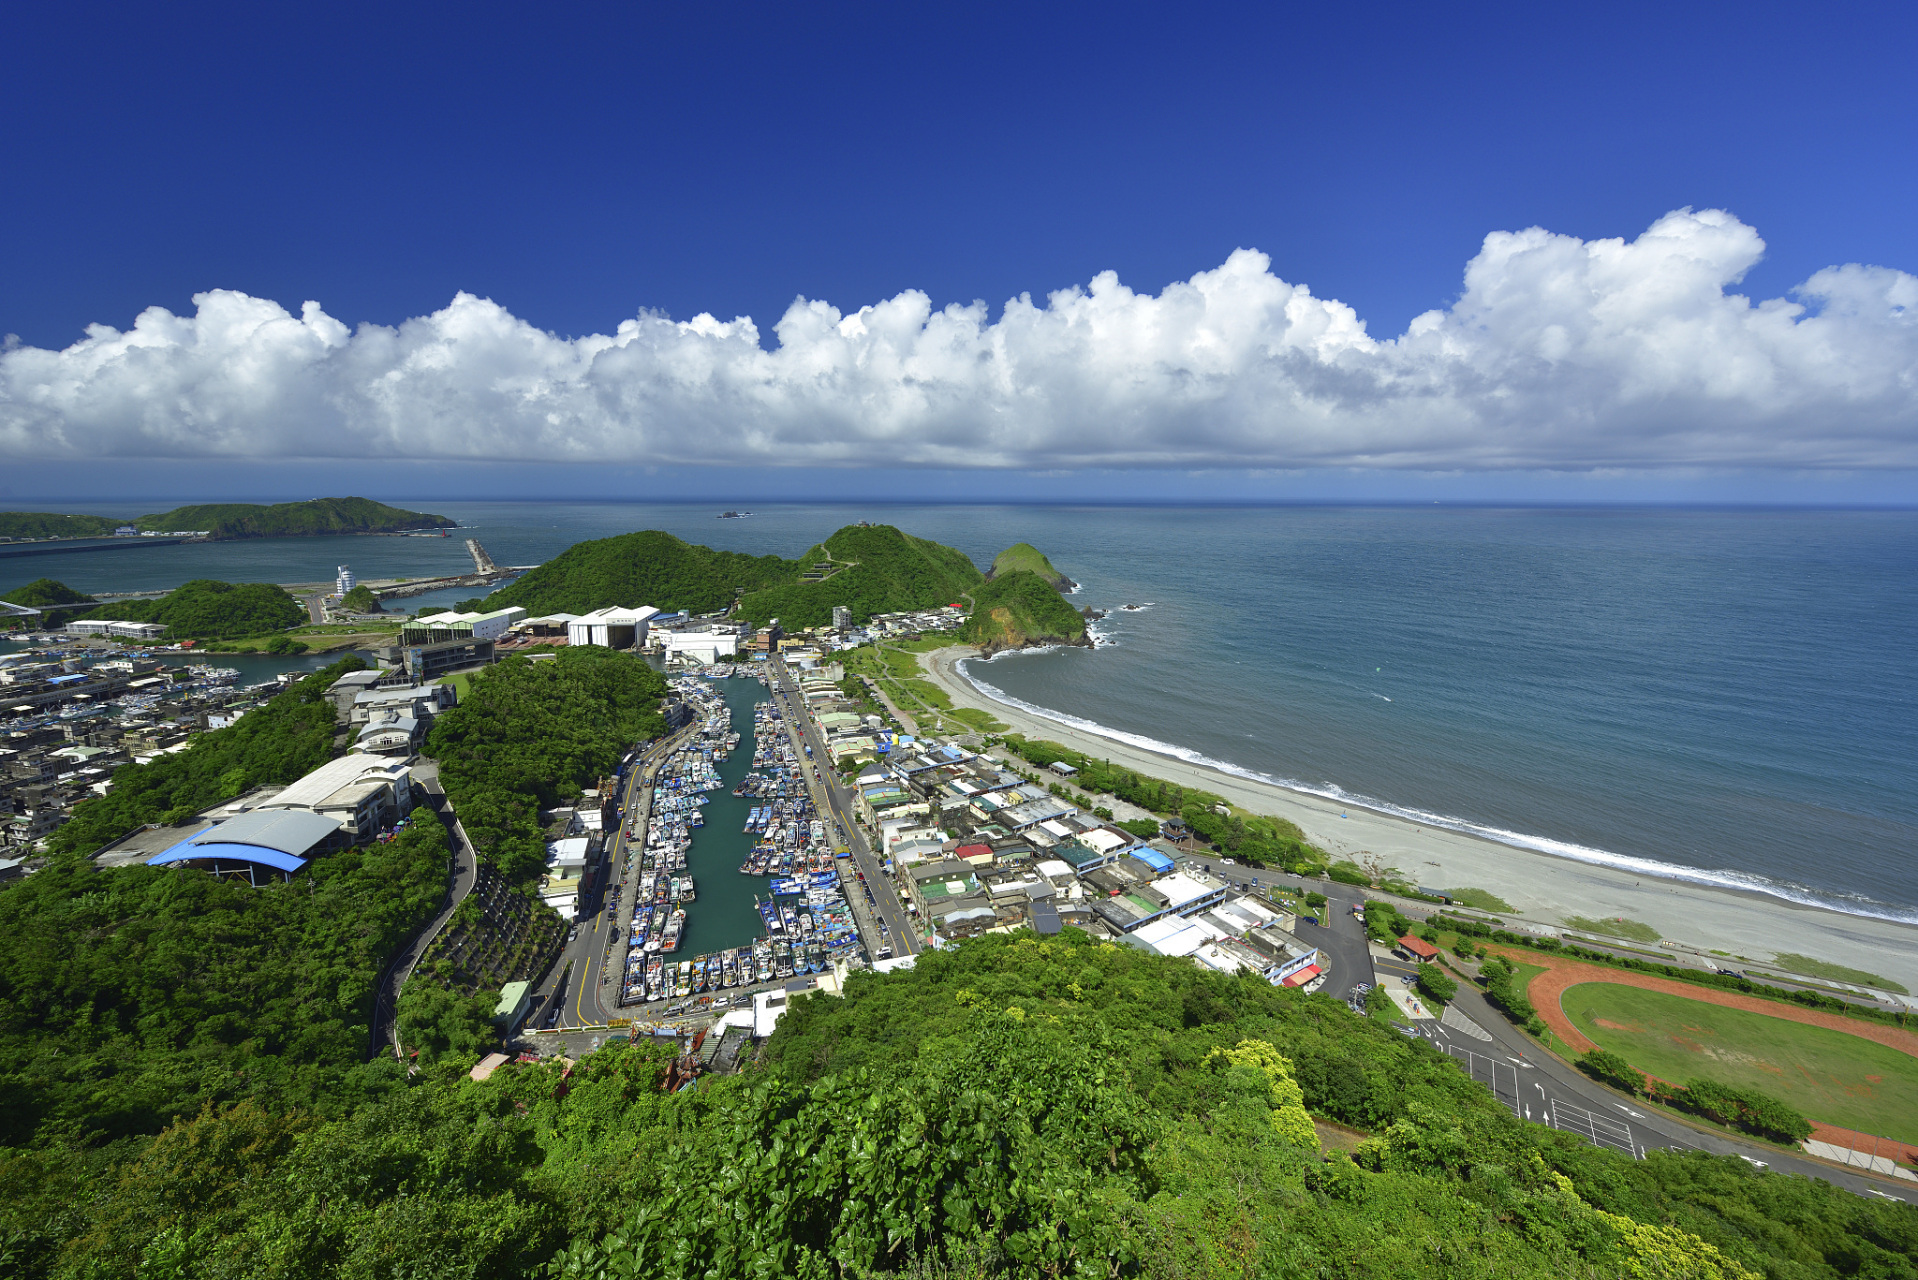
point(345, 581)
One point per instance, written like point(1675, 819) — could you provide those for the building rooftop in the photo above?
point(316, 786)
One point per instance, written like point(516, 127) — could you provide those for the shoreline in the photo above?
point(1544, 888)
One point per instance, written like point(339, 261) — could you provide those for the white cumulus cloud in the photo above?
point(1559, 353)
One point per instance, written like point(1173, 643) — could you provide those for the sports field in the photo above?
point(1826, 1075)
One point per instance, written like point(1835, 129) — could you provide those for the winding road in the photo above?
point(459, 882)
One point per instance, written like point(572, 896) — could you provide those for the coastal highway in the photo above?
point(900, 931)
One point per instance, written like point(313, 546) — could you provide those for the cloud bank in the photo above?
point(1559, 354)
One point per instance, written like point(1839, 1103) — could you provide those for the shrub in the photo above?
point(1436, 985)
point(1610, 1068)
point(1747, 1109)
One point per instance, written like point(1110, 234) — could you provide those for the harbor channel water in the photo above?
point(724, 914)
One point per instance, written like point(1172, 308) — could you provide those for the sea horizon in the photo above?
point(1671, 687)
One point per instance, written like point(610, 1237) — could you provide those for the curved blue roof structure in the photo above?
point(283, 839)
point(187, 850)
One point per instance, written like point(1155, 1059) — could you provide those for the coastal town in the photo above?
point(817, 804)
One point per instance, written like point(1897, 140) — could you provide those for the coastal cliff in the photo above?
point(1021, 610)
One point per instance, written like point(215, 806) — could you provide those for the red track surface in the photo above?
point(1547, 987)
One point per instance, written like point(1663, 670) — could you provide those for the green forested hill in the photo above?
point(887, 571)
point(1010, 1107)
point(528, 735)
point(876, 569)
point(131, 997)
point(56, 601)
point(207, 610)
point(292, 519)
point(1023, 555)
point(47, 524)
point(634, 569)
point(1019, 607)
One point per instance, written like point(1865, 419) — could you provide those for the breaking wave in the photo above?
point(1786, 890)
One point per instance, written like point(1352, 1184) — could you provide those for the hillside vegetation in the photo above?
point(1023, 555)
point(869, 569)
point(292, 519)
point(49, 524)
point(204, 609)
point(1010, 1107)
point(51, 598)
point(634, 569)
point(1020, 608)
point(886, 572)
point(527, 735)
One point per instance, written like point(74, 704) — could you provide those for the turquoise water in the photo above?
point(1724, 695)
point(723, 916)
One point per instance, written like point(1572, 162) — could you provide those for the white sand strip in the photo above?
point(1544, 888)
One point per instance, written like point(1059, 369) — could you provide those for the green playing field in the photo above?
point(1826, 1075)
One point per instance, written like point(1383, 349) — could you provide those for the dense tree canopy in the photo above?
point(527, 735)
point(1019, 607)
point(132, 996)
point(55, 600)
point(887, 572)
point(1010, 1107)
point(634, 569)
point(204, 609)
point(292, 519)
point(48, 524)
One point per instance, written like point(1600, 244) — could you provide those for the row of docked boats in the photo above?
point(662, 889)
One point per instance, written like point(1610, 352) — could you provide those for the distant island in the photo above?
point(866, 569)
point(316, 517)
point(223, 521)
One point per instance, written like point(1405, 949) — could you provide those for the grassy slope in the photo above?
point(1792, 962)
point(1018, 608)
point(292, 519)
point(1023, 555)
point(888, 571)
point(1825, 1075)
point(634, 569)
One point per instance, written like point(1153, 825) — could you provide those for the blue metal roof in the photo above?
point(78, 675)
point(1152, 858)
point(187, 850)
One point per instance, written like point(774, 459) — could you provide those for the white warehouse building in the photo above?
point(611, 628)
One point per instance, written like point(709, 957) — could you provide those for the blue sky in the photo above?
point(576, 168)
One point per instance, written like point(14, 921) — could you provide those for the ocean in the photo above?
point(1728, 696)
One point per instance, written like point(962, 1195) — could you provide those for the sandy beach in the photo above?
point(1545, 889)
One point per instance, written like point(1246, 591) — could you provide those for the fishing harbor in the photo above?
point(730, 880)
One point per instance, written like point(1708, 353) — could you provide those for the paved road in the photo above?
point(585, 981)
point(1538, 1086)
point(460, 878)
point(900, 931)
